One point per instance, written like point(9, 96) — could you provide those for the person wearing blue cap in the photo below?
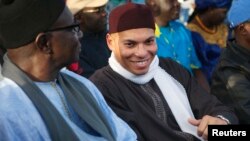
point(209, 32)
point(231, 79)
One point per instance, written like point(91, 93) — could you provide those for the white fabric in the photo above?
point(173, 92)
point(77, 5)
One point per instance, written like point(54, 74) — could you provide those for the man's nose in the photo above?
point(140, 50)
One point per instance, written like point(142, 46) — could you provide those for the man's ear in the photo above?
point(78, 16)
point(110, 41)
point(43, 43)
point(240, 30)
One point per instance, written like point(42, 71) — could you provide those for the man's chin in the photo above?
point(140, 72)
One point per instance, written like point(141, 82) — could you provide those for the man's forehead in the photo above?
point(138, 31)
point(135, 34)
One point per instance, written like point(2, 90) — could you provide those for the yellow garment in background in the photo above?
point(219, 37)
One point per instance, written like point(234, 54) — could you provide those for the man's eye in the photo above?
point(150, 42)
point(129, 44)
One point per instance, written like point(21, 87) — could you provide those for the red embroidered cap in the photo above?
point(130, 16)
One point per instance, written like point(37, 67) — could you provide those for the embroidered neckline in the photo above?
point(53, 84)
point(203, 27)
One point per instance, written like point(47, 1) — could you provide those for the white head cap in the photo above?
point(77, 5)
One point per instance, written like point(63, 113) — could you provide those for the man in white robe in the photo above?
point(39, 100)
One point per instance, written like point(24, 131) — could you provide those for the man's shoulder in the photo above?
point(232, 57)
point(7, 84)
point(8, 91)
point(101, 73)
point(107, 77)
point(12, 96)
point(177, 24)
point(168, 63)
point(173, 68)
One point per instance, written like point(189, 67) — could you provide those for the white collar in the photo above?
point(173, 92)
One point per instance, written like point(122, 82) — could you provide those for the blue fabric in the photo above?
point(20, 120)
point(204, 4)
point(55, 99)
point(174, 41)
point(239, 12)
point(208, 54)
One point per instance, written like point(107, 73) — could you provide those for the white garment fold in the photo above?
point(173, 92)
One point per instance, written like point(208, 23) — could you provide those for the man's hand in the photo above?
point(202, 124)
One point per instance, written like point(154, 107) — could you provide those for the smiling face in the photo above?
point(134, 49)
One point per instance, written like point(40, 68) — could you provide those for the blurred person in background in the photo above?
point(174, 39)
point(209, 32)
point(94, 53)
point(231, 78)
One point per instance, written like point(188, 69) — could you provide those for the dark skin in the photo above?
point(242, 35)
point(166, 11)
point(92, 19)
point(43, 58)
point(211, 17)
point(154, 7)
point(2, 52)
point(202, 124)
